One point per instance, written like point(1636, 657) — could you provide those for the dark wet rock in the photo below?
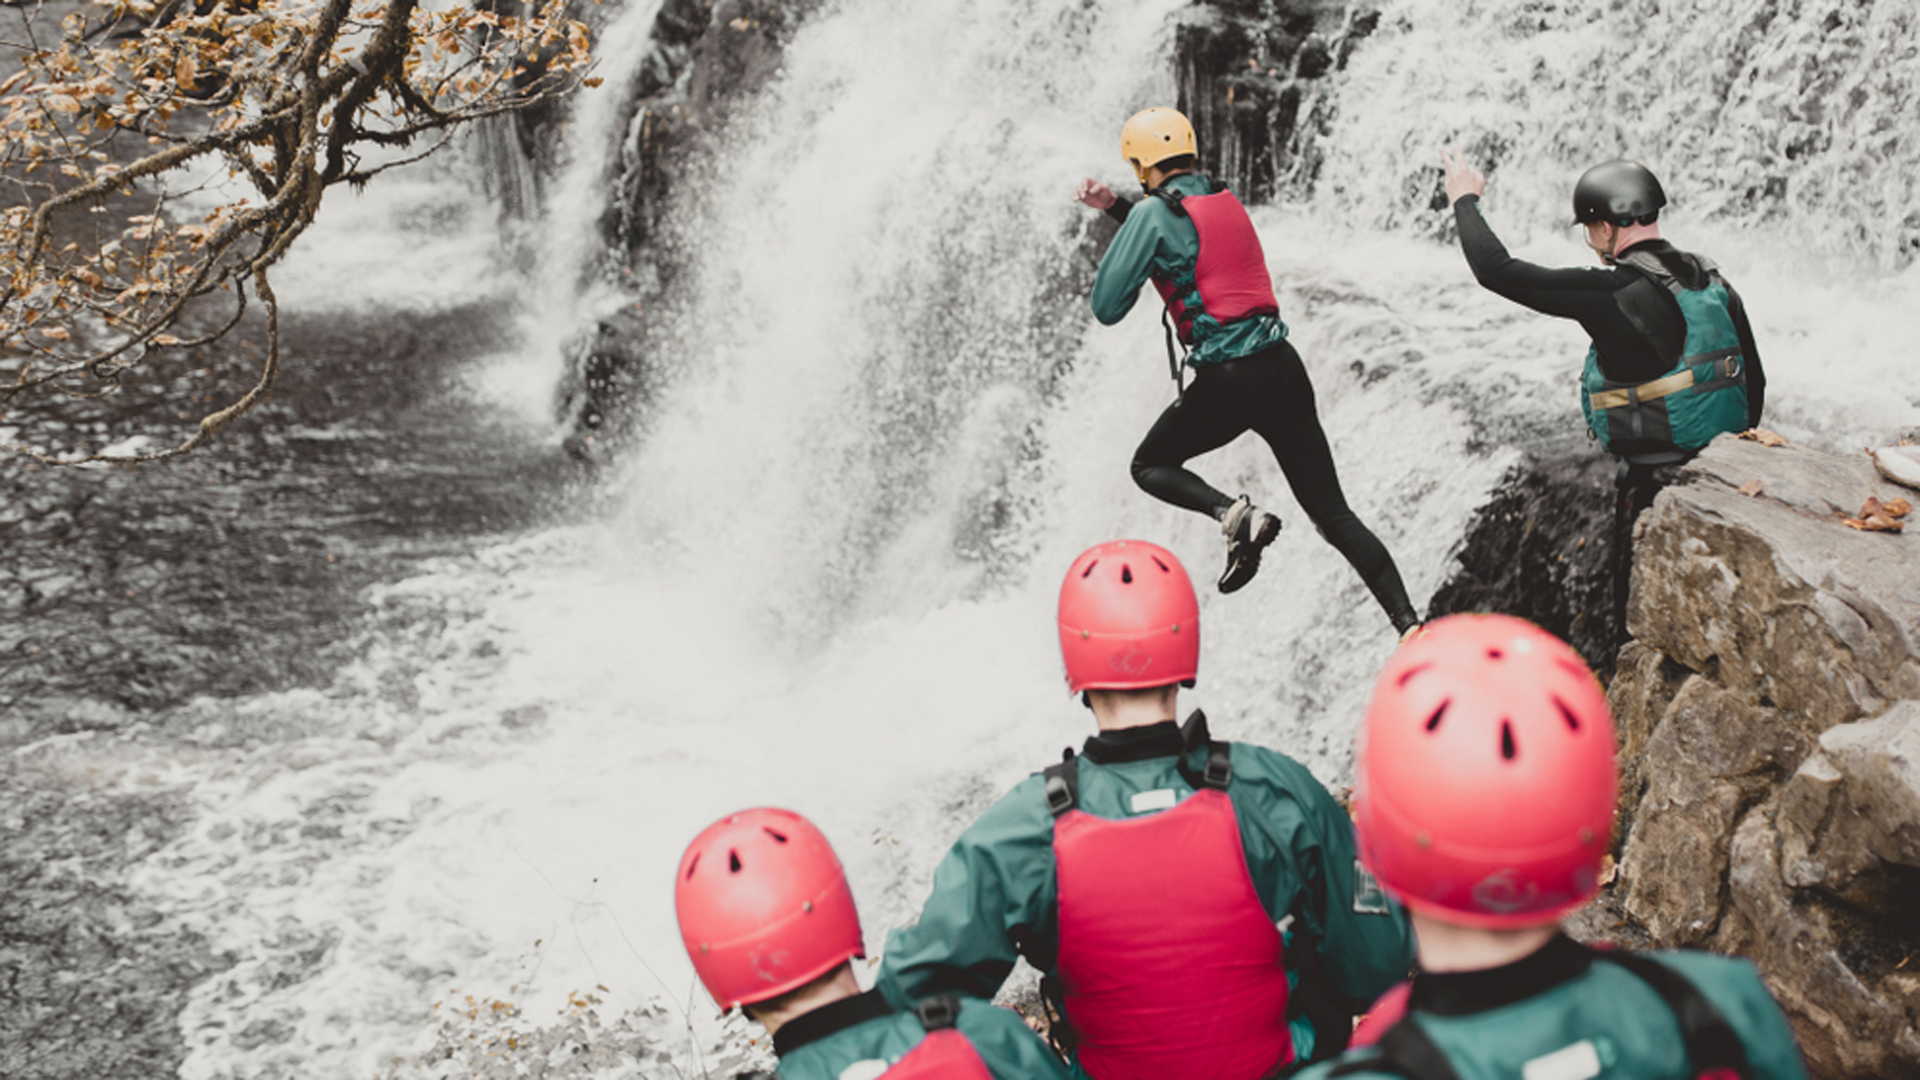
point(1769, 712)
point(1252, 78)
point(1541, 548)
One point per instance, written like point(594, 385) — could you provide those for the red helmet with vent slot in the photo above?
point(1129, 619)
point(1484, 783)
point(764, 906)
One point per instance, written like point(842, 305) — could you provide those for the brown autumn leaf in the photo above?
point(1877, 523)
point(1751, 488)
point(1763, 437)
point(1898, 508)
point(1871, 508)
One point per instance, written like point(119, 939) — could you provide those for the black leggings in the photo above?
point(1268, 393)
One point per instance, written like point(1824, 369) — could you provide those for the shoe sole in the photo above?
point(1242, 567)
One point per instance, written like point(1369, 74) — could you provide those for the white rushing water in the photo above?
point(828, 576)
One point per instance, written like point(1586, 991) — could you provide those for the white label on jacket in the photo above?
point(867, 1069)
point(1162, 799)
point(1368, 897)
point(1577, 1062)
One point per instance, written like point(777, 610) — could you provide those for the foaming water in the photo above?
point(828, 576)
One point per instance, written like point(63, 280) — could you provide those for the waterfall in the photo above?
point(824, 573)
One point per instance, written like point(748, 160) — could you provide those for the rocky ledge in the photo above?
point(1769, 712)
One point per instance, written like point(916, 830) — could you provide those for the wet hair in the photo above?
point(1175, 164)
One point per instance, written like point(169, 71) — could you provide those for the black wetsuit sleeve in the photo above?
point(1583, 293)
point(1120, 209)
point(1750, 352)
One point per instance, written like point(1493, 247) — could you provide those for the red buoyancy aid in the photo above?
point(1230, 273)
point(942, 1055)
point(1170, 964)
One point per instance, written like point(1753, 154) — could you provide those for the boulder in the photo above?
point(1769, 719)
point(1770, 594)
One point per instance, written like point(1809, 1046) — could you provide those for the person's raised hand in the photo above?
point(1094, 194)
point(1462, 178)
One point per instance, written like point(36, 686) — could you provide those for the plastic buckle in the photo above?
point(1219, 771)
point(1059, 795)
point(937, 1013)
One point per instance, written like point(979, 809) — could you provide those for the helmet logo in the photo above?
point(1505, 892)
point(1134, 661)
point(769, 963)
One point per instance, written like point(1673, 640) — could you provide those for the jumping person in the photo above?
point(768, 920)
point(1195, 905)
point(1484, 791)
point(1194, 241)
point(1672, 362)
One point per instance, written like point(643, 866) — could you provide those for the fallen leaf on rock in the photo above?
point(1898, 508)
point(1609, 870)
point(1751, 488)
point(1763, 437)
point(1877, 523)
point(1870, 508)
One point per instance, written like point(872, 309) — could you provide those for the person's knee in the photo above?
point(1142, 471)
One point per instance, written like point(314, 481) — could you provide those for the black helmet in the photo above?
point(1619, 191)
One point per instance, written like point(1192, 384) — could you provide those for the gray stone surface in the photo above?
point(1717, 753)
point(1850, 817)
point(1769, 718)
point(1770, 594)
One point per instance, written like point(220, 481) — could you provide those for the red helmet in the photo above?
point(764, 907)
point(1128, 619)
point(1484, 782)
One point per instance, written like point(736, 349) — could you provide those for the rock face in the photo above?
point(1769, 710)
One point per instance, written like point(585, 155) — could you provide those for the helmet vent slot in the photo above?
point(1161, 565)
point(1089, 569)
point(779, 837)
point(691, 866)
point(1507, 749)
point(1433, 722)
point(1495, 654)
point(1407, 675)
point(1126, 574)
point(733, 861)
point(1573, 722)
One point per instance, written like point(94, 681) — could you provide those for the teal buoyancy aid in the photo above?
point(1705, 394)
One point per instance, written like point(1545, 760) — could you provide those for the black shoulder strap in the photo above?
point(756, 1074)
point(1404, 1050)
point(938, 1012)
point(1063, 784)
point(1218, 772)
point(1712, 1044)
point(1171, 198)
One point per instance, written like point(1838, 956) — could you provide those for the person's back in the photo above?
point(1569, 1011)
point(1484, 796)
point(769, 923)
point(1145, 876)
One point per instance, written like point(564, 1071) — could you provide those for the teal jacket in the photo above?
point(1560, 1013)
point(1154, 241)
point(823, 1044)
point(997, 884)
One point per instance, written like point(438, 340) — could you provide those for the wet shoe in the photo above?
point(1249, 530)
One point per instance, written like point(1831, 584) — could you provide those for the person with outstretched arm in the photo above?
point(1484, 793)
point(1195, 905)
point(769, 922)
point(1194, 241)
point(1673, 362)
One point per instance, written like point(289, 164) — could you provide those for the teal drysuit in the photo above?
point(1560, 1015)
point(1155, 241)
point(865, 1031)
point(997, 885)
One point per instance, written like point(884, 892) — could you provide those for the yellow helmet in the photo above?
point(1154, 135)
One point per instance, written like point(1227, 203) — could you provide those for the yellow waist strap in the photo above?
point(1653, 391)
